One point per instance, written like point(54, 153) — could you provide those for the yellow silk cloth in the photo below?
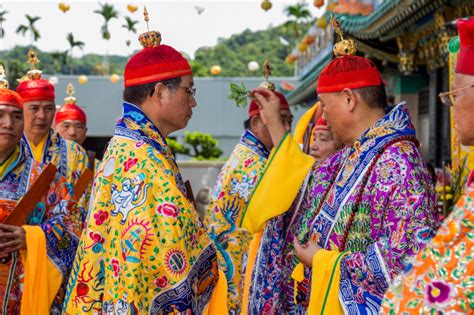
point(303, 123)
point(38, 150)
point(286, 169)
point(252, 256)
point(326, 275)
point(5, 166)
point(218, 303)
point(42, 278)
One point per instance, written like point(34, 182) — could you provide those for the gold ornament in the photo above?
point(132, 8)
point(266, 5)
point(33, 74)
point(318, 3)
point(3, 78)
point(216, 70)
point(302, 46)
point(114, 78)
point(322, 22)
point(149, 39)
point(267, 72)
point(82, 79)
point(70, 99)
point(64, 7)
point(345, 47)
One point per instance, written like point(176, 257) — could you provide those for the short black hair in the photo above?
point(247, 123)
point(137, 94)
point(374, 96)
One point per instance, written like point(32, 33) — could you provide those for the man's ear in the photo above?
point(159, 90)
point(349, 99)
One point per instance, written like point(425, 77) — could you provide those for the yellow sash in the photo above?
point(42, 278)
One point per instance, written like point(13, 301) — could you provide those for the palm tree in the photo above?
point(30, 27)
point(298, 13)
point(108, 12)
point(130, 26)
point(72, 44)
point(59, 59)
point(2, 19)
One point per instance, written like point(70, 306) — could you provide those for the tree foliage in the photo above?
point(198, 145)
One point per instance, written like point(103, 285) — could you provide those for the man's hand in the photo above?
point(12, 239)
point(306, 252)
point(269, 105)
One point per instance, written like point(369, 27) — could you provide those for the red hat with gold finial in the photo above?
point(347, 70)
point(267, 71)
point(465, 64)
point(155, 62)
point(7, 96)
point(70, 110)
point(35, 88)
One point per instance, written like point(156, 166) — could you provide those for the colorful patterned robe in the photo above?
point(441, 278)
point(144, 249)
point(393, 221)
point(70, 159)
point(55, 214)
point(230, 196)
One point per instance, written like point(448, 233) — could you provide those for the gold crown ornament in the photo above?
point(70, 99)
point(345, 47)
point(267, 71)
point(33, 74)
point(149, 39)
point(3, 78)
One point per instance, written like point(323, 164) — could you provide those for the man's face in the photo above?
point(38, 117)
point(261, 131)
point(74, 130)
point(11, 127)
point(179, 103)
point(463, 110)
point(324, 145)
point(335, 114)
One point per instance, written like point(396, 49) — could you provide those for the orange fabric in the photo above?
point(253, 251)
point(218, 303)
point(10, 98)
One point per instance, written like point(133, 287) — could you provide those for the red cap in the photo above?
point(10, 98)
point(351, 72)
point(155, 64)
point(70, 112)
point(321, 124)
point(465, 64)
point(254, 110)
point(36, 90)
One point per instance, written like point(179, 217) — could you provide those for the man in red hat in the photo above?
point(440, 278)
point(235, 184)
point(368, 207)
point(70, 121)
point(144, 249)
point(41, 142)
point(36, 257)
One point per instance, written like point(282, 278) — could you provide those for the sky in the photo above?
point(178, 21)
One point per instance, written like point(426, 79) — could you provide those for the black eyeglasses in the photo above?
point(447, 97)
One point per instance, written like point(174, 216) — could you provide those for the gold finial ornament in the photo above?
point(267, 72)
point(3, 78)
point(70, 99)
point(345, 47)
point(149, 39)
point(33, 74)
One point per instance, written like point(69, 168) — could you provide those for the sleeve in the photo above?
point(286, 169)
point(403, 211)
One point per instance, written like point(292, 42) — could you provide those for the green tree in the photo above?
point(198, 145)
point(108, 12)
point(73, 44)
point(59, 60)
point(130, 26)
point(298, 14)
point(2, 19)
point(30, 27)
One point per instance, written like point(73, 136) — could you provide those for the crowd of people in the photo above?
point(338, 218)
